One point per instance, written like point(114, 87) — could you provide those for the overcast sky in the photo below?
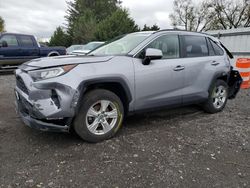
point(41, 17)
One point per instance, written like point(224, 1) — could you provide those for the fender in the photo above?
point(221, 74)
point(105, 80)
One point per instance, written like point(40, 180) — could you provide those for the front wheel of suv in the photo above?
point(218, 96)
point(100, 116)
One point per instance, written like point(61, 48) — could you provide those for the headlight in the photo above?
point(43, 74)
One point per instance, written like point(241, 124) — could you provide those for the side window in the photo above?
point(168, 44)
point(217, 49)
point(195, 46)
point(26, 41)
point(10, 40)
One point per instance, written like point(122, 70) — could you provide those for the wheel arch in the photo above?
point(53, 53)
point(221, 76)
point(113, 84)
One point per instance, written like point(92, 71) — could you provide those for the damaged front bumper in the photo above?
point(46, 106)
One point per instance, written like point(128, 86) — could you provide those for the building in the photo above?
point(236, 40)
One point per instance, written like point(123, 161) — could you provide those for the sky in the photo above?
point(41, 17)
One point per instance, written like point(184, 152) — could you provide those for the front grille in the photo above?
point(20, 84)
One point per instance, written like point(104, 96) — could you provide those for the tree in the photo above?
point(210, 14)
point(84, 29)
point(190, 16)
point(229, 14)
point(1, 24)
point(84, 15)
point(59, 38)
point(152, 28)
point(117, 24)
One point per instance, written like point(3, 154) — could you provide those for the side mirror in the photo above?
point(151, 54)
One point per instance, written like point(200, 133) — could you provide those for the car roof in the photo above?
point(17, 34)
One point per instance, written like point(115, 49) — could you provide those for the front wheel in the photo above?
point(218, 96)
point(100, 116)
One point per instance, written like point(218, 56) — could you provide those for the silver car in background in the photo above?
point(134, 73)
point(72, 48)
point(87, 48)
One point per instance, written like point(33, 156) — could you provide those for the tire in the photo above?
point(218, 95)
point(100, 116)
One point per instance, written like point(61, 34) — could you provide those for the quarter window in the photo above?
point(10, 39)
point(168, 44)
point(26, 41)
point(195, 46)
point(217, 50)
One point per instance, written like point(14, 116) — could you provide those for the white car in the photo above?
point(73, 48)
point(87, 48)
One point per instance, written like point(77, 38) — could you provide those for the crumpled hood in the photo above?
point(62, 60)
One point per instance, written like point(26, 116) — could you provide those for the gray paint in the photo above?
point(151, 86)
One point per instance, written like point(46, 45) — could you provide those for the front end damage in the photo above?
point(46, 106)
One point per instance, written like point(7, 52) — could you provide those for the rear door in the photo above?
point(201, 65)
point(9, 54)
point(160, 83)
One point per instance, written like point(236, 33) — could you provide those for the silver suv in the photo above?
point(133, 73)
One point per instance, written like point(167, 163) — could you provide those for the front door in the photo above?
point(160, 83)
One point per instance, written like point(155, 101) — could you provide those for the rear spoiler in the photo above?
point(228, 52)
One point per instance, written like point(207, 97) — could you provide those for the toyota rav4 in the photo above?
point(133, 73)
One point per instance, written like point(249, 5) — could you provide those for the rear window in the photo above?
point(195, 46)
point(26, 41)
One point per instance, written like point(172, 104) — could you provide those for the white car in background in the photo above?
point(87, 48)
point(73, 48)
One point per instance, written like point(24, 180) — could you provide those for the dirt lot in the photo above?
point(175, 148)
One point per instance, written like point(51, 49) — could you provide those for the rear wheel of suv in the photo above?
point(218, 96)
point(100, 116)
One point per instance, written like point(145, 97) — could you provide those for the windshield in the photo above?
point(121, 45)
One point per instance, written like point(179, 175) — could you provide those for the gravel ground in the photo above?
point(175, 148)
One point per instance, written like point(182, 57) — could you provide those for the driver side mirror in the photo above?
point(151, 54)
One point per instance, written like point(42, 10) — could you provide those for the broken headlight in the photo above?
point(43, 74)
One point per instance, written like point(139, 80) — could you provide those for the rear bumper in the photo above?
point(234, 83)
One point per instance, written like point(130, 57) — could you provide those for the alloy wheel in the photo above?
point(219, 96)
point(101, 117)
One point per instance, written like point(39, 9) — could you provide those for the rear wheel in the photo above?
point(100, 116)
point(218, 96)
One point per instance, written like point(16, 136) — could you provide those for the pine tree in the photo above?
point(59, 38)
point(117, 24)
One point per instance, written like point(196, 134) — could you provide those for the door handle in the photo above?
point(215, 63)
point(179, 68)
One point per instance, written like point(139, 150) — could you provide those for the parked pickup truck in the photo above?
point(16, 49)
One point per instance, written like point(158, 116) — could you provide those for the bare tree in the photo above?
point(229, 13)
point(190, 16)
point(211, 14)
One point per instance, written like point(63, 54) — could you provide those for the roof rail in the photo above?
point(182, 30)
